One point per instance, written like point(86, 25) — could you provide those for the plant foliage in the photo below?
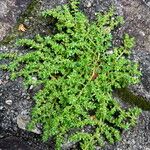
point(78, 74)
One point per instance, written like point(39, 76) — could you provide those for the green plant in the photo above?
point(78, 74)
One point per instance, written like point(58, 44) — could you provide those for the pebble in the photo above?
point(88, 5)
point(7, 77)
point(1, 107)
point(8, 102)
point(109, 52)
point(141, 33)
point(34, 78)
point(23, 120)
point(31, 87)
point(147, 2)
point(28, 97)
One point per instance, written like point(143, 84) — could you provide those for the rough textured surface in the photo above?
point(137, 138)
point(137, 24)
point(9, 13)
point(14, 99)
point(137, 17)
point(143, 88)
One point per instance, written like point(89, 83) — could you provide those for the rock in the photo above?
point(109, 52)
point(8, 102)
point(7, 77)
point(31, 87)
point(147, 2)
point(9, 12)
point(143, 88)
point(142, 33)
point(1, 107)
point(137, 137)
point(88, 4)
point(23, 120)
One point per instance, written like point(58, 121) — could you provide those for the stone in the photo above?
point(8, 102)
point(109, 52)
point(142, 33)
point(89, 4)
point(147, 2)
point(31, 87)
point(1, 107)
point(7, 77)
point(23, 120)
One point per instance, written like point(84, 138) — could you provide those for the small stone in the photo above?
point(88, 5)
point(147, 2)
point(7, 77)
point(34, 78)
point(139, 16)
point(23, 120)
point(142, 33)
point(1, 107)
point(31, 87)
point(28, 97)
point(8, 102)
point(109, 52)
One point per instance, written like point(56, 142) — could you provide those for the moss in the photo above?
point(127, 96)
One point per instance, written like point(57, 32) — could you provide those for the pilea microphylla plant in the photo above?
point(78, 74)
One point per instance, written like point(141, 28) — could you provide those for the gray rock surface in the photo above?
point(147, 2)
point(137, 138)
point(9, 13)
point(137, 22)
point(143, 88)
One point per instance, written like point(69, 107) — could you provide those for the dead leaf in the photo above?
point(94, 76)
point(107, 29)
point(93, 117)
point(22, 28)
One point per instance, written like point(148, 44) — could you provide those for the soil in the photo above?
point(15, 100)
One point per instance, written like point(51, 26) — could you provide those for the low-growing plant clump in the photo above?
point(78, 68)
